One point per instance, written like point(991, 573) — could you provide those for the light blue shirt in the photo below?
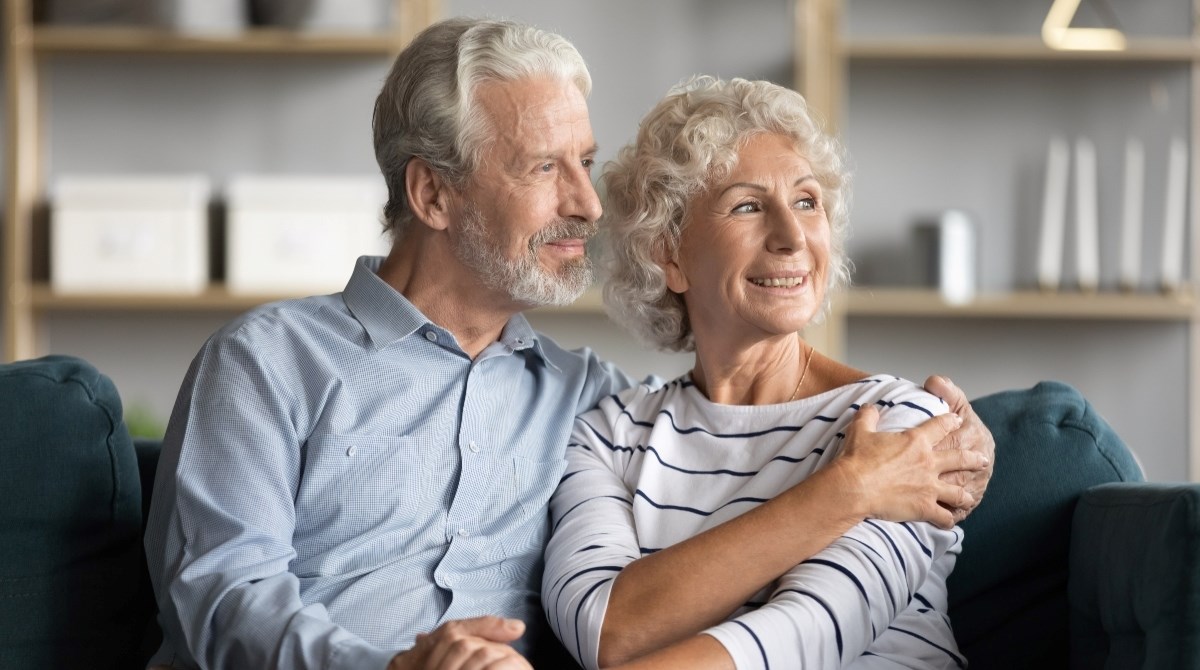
point(338, 476)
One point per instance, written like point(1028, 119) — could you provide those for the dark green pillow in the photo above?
point(1135, 577)
point(70, 519)
point(1008, 591)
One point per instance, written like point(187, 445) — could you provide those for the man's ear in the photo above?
point(428, 194)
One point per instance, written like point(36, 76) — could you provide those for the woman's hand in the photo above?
point(467, 644)
point(971, 435)
point(897, 476)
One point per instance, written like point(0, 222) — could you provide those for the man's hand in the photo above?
point(972, 435)
point(896, 476)
point(467, 644)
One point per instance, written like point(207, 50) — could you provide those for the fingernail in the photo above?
point(514, 624)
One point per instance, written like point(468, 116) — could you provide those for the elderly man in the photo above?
point(360, 480)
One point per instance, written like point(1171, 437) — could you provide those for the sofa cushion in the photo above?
point(70, 518)
point(1008, 591)
point(1135, 577)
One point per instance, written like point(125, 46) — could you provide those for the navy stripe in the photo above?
point(958, 660)
point(887, 537)
point(693, 510)
point(878, 570)
point(723, 471)
point(649, 550)
point(697, 429)
point(923, 601)
point(579, 610)
point(845, 571)
point(761, 650)
point(925, 550)
point(904, 403)
point(554, 527)
point(837, 628)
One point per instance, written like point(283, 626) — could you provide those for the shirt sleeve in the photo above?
point(219, 534)
point(592, 536)
point(828, 610)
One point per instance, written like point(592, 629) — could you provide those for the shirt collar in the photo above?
point(388, 316)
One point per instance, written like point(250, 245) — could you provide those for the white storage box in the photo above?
point(129, 234)
point(300, 234)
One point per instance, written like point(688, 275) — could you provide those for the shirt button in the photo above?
point(462, 532)
point(351, 451)
point(473, 447)
point(431, 336)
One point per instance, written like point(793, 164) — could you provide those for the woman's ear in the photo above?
point(428, 194)
point(669, 262)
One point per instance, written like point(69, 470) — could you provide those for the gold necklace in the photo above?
point(803, 374)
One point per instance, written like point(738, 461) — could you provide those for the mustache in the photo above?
point(564, 229)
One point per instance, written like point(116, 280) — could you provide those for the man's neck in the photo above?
point(431, 277)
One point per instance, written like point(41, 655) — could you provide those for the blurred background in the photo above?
point(945, 106)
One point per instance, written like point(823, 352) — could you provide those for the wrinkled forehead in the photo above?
point(534, 118)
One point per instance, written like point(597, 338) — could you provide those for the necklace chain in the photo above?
point(803, 374)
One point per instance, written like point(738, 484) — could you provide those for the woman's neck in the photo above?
point(764, 373)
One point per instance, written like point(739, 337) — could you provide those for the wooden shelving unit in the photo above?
point(921, 303)
point(23, 301)
point(825, 59)
point(985, 48)
point(147, 41)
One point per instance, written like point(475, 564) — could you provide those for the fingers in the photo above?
point(945, 389)
point(935, 430)
point(952, 460)
point(493, 628)
point(471, 644)
point(867, 419)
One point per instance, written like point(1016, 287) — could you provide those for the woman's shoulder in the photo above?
point(889, 392)
point(641, 402)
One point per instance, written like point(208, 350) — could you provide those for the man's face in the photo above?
point(524, 217)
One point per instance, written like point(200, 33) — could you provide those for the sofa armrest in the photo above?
point(1134, 584)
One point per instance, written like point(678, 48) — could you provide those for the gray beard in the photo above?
point(524, 279)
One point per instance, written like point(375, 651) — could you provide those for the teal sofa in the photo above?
point(1071, 560)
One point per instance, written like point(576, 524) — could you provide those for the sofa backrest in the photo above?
point(1008, 591)
point(72, 572)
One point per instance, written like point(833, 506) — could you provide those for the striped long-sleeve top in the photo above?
point(651, 467)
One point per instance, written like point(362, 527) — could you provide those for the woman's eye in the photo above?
point(546, 167)
point(588, 163)
point(807, 203)
point(746, 208)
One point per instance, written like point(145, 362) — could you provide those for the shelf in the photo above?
point(218, 298)
point(1022, 305)
point(988, 48)
point(215, 298)
point(92, 40)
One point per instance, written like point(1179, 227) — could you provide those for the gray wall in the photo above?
point(221, 115)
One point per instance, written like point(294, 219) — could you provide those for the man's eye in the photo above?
point(588, 163)
point(546, 167)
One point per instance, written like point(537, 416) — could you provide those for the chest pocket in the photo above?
point(356, 484)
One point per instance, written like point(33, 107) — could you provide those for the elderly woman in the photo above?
point(726, 220)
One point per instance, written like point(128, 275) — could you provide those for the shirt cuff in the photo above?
point(359, 654)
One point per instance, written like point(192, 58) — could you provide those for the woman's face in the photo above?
point(753, 259)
